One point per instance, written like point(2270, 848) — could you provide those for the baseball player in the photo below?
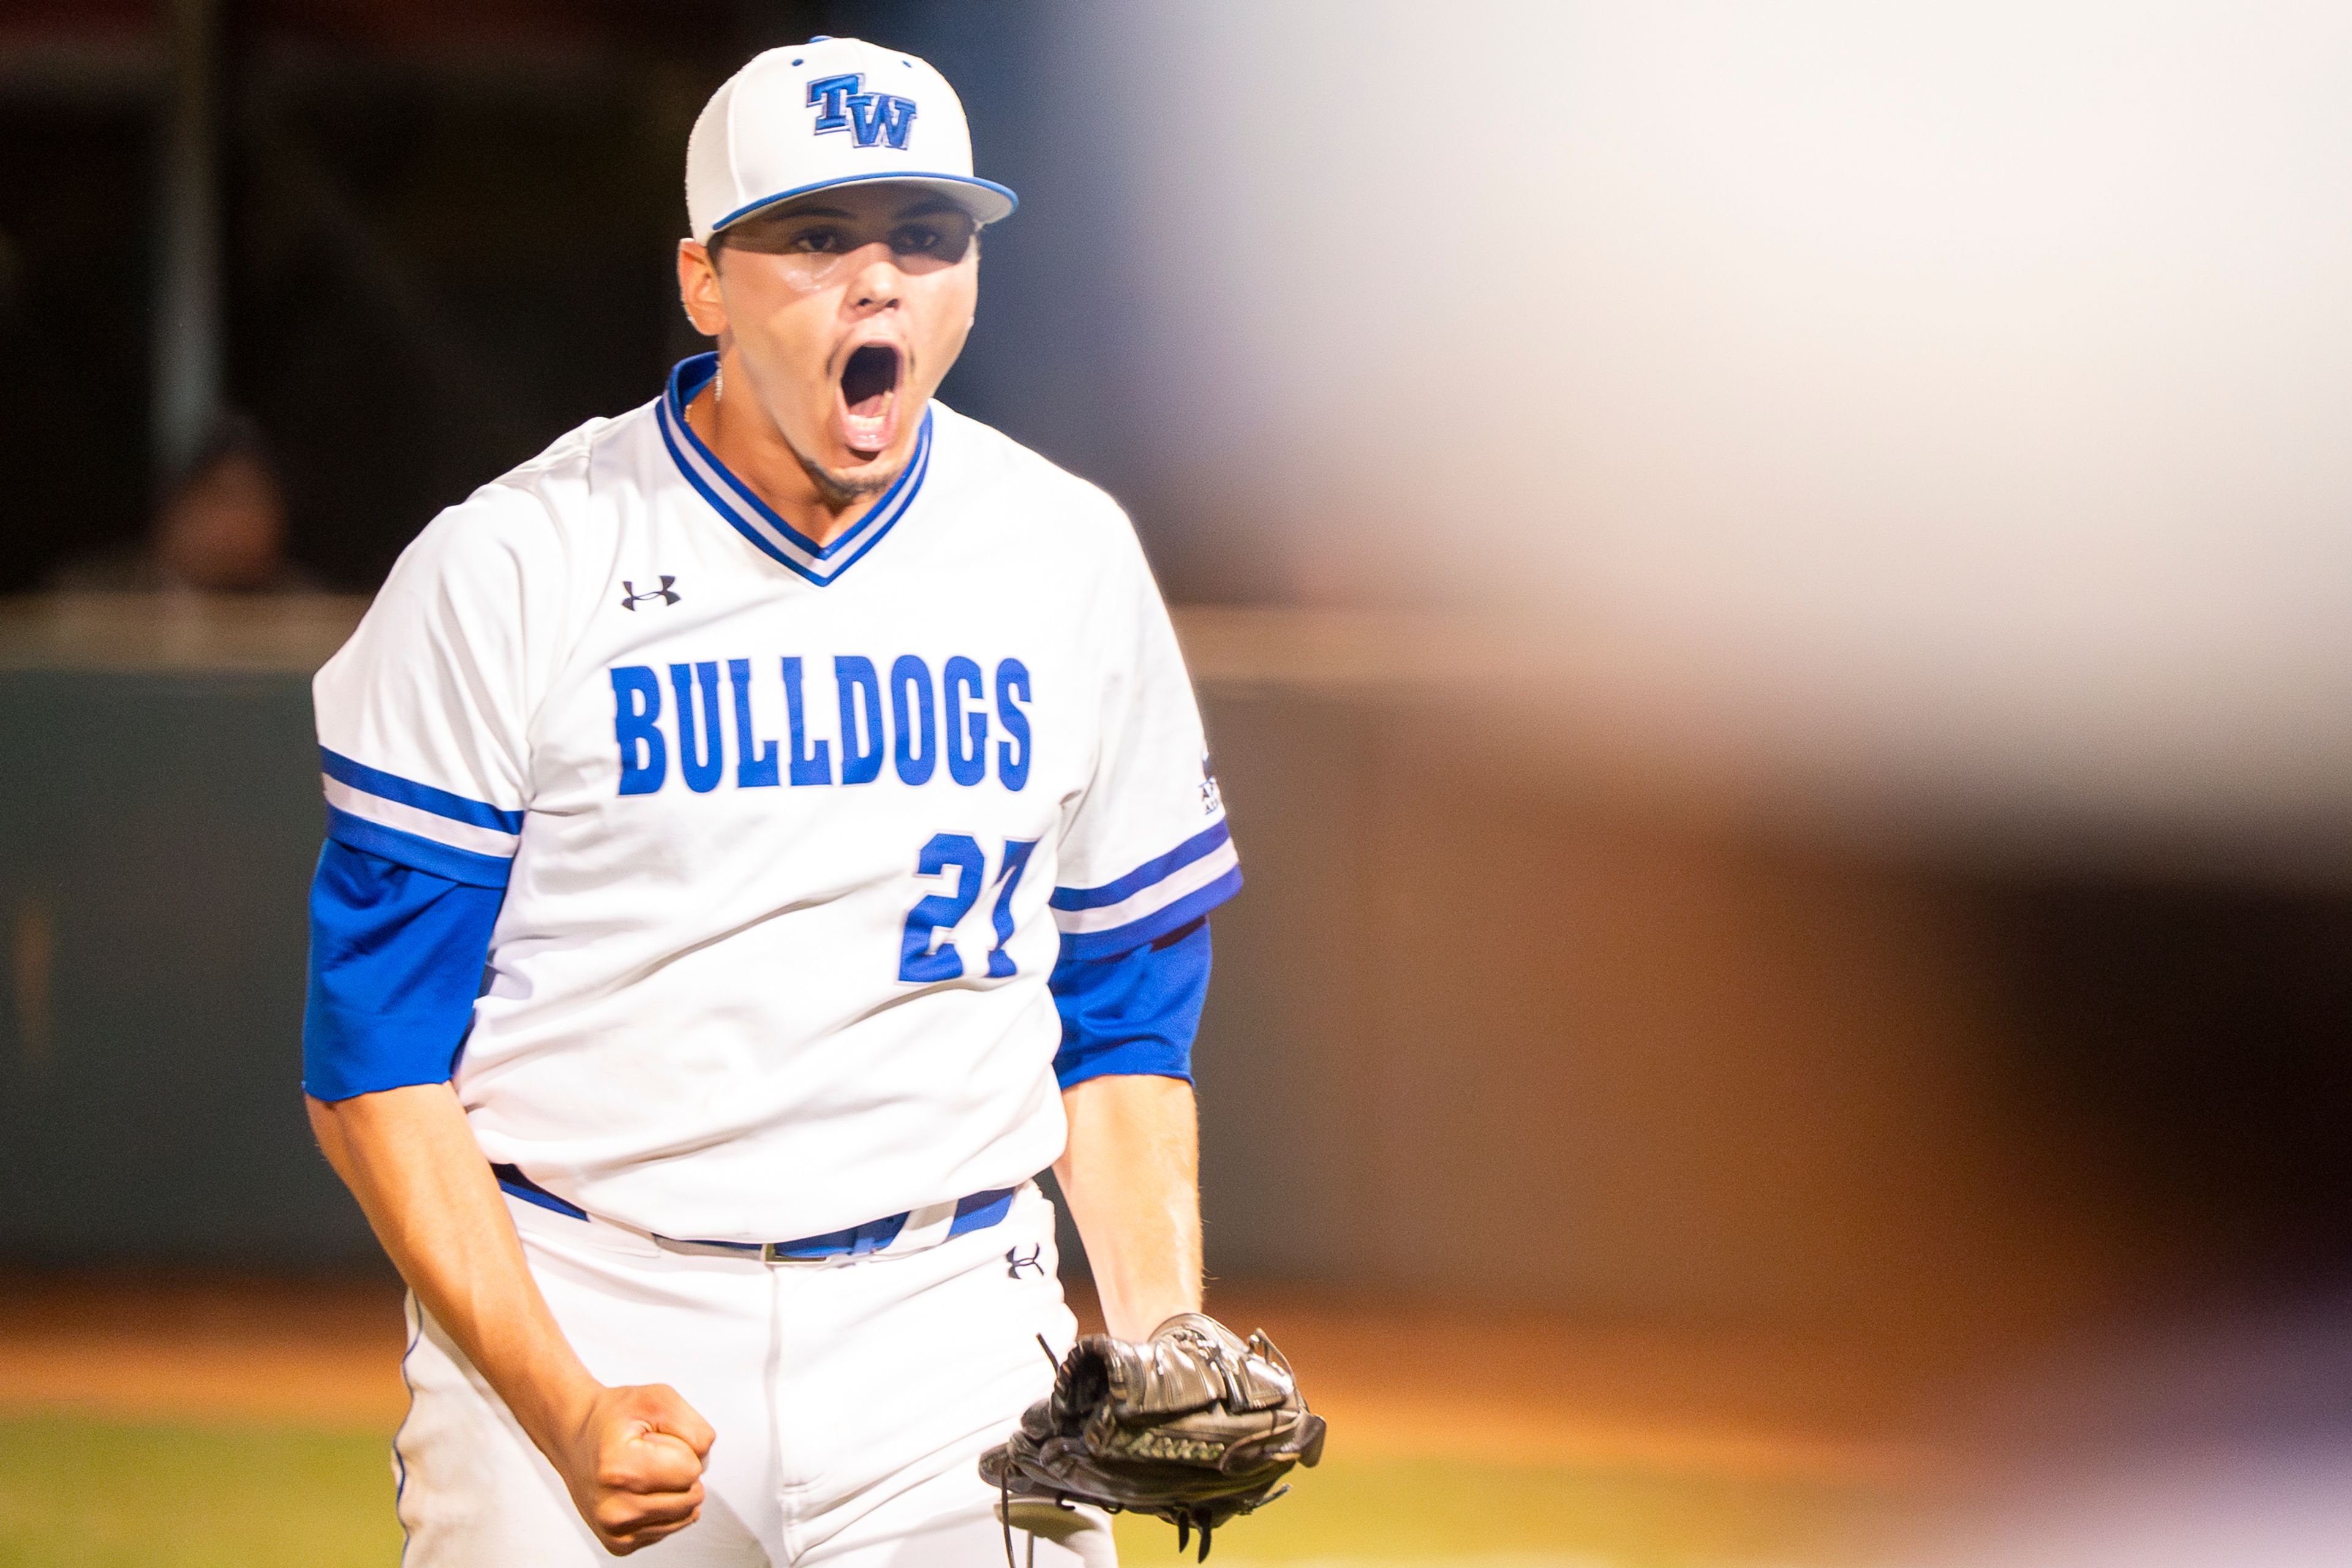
point(765, 830)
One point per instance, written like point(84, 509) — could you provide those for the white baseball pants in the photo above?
point(851, 1399)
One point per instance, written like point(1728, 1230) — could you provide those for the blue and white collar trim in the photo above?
point(753, 518)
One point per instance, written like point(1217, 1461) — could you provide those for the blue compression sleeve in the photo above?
point(397, 960)
point(1135, 1012)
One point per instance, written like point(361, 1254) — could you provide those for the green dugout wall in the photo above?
point(1495, 1016)
point(161, 825)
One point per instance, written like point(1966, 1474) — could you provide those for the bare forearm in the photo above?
point(631, 1457)
point(1131, 1177)
point(412, 1162)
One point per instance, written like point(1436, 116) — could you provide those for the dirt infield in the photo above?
point(1396, 1378)
point(173, 1347)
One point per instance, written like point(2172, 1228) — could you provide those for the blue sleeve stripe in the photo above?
point(1202, 843)
point(417, 853)
point(1151, 927)
point(422, 796)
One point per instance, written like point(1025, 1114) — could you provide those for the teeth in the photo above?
point(868, 432)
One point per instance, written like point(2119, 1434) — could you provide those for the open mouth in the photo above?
point(869, 398)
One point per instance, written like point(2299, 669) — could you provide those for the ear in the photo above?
point(698, 287)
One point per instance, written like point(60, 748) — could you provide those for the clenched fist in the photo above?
point(634, 1464)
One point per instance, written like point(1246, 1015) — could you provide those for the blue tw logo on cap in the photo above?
point(843, 104)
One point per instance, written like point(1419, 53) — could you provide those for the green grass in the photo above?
point(104, 1494)
point(1440, 1512)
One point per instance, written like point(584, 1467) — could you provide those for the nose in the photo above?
point(875, 285)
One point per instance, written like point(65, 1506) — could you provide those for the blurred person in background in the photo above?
point(221, 529)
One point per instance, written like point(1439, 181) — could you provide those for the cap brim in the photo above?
point(985, 200)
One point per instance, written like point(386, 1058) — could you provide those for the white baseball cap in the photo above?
point(832, 111)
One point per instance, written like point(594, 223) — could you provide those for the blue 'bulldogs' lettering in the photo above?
point(843, 103)
point(701, 755)
point(928, 722)
point(917, 728)
point(1013, 771)
point(861, 700)
point(811, 765)
point(755, 761)
point(637, 703)
point(967, 764)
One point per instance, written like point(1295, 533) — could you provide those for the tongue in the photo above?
point(869, 420)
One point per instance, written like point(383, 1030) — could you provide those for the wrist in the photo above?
point(1132, 1315)
point(554, 1405)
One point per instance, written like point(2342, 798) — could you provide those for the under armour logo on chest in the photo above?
point(1017, 1259)
point(631, 599)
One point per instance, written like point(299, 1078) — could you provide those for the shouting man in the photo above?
point(767, 829)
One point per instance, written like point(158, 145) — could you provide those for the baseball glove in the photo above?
point(1193, 1424)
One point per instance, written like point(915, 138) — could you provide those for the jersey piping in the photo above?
point(753, 518)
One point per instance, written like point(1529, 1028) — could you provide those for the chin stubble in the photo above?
point(837, 488)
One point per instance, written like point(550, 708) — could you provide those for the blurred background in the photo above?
point(1772, 591)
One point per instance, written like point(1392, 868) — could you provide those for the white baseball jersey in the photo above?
point(790, 837)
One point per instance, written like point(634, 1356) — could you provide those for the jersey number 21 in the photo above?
point(960, 852)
